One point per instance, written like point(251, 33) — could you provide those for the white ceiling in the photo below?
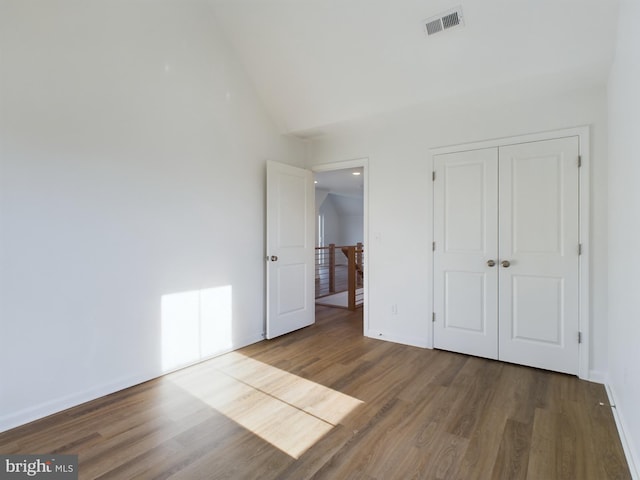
point(341, 182)
point(318, 62)
point(346, 190)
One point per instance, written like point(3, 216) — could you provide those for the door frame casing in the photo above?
point(584, 192)
point(364, 164)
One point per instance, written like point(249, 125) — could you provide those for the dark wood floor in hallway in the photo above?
point(327, 403)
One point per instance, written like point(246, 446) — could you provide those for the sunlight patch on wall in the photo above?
point(195, 325)
point(289, 412)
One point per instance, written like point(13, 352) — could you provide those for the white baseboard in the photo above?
point(627, 444)
point(57, 405)
point(597, 376)
point(411, 341)
point(44, 409)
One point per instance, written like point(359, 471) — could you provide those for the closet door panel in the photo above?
point(538, 223)
point(465, 225)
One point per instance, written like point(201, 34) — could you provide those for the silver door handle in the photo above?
point(274, 258)
point(491, 263)
point(506, 263)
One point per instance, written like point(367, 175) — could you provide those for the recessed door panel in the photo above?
point(292, 213)
point(291, 288)
point(465, 206)
point(538, 313)
point(536, 190)
point(464, 301)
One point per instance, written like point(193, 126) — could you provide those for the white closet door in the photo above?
point(538, 287)
point(465, 225)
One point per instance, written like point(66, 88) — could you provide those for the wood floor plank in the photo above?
point(481, 453)
point(513, 453)
point(546, 447)
point(476, 380)
point(606, 442)
point(587, 460)
point(325, 402)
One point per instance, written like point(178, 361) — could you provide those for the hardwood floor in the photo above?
point(326, 403)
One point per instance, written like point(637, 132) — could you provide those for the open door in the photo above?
point(290, 249)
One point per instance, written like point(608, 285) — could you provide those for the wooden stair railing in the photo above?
point(357, 260)
point(328, 282)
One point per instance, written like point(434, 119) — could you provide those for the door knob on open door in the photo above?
point(506, 263)
point(274, 258)
point(491, 263)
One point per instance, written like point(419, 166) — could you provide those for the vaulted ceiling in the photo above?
point(318, 62)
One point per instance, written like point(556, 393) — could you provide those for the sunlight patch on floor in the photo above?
point(289, 412)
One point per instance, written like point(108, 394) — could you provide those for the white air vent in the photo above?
point(446, 20)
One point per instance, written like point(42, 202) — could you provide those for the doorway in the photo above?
point(341, 235)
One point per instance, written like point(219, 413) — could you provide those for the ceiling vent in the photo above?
point(445, 21)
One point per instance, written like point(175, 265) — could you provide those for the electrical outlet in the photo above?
point(394, 308)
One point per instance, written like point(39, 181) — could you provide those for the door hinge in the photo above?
point(433, 176)
point(433, 316)
point(579, 249)
point(579, 161)
point(433, 246)
point(579, 337)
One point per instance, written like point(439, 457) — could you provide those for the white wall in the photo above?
point(351, 229)
point(400, 191)
point(132, 167)
point(351, 218)
point(624, 226)
point(343, 217)
point(331, 221)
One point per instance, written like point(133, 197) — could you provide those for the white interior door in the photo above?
point(466, 244)
point(290, 249)
point(539, 236)
point(517, 205)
